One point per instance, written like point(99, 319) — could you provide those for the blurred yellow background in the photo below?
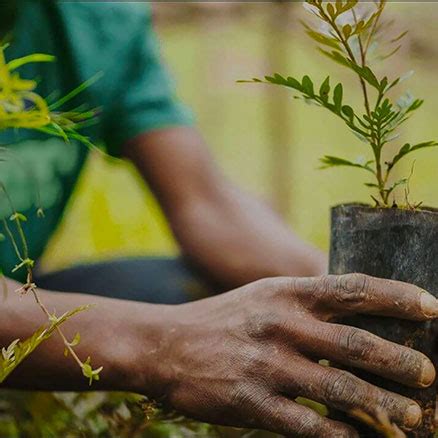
point(264, 140)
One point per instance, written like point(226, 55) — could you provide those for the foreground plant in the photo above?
point(21, 107)
point(350, 33)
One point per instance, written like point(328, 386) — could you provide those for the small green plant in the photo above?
point(350, 33)
point(21, 107)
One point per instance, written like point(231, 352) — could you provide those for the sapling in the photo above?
point(353, 35)
point(395, 243)
point(21, 107)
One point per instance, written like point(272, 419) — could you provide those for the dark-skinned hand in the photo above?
point(241, 358)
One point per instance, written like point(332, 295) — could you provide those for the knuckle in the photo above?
point(257, 366)
point(351, 288)
point(264, 326)
point(241, 394)
point(339, 389)
point(276, 283)
point(313, 288)
point(285, 286)
point(251, 399)
point(356, 344)
point(308, 426)
point(275, 288)
point(265, 283)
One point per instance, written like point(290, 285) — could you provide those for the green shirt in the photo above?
point(134, 95)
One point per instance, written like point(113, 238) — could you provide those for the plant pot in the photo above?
point(394, 244)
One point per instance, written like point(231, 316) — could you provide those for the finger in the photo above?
point(358, 348)
point(359, 293)
point(344, 391)
point(283, 416)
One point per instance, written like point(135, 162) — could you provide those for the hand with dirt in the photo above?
point(241, 358)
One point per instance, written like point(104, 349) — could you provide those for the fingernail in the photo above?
point(428, 374)
point(429, 305)
point(413, 416)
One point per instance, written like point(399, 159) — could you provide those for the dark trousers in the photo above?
point(152, 280)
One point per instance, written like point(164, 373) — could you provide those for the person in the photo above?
point(238, 358)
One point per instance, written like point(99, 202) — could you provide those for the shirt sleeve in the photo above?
point(145, 98)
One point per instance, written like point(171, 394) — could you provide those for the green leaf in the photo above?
point(360, 27)
point(349, 112)
point(337, 97)
point(361, 137)
point(325, 89)
point(67, 315)
point(311, 7)
point(88, 371)
point(400, 182)
point(347, 30)
point(26, 263)
point(364, 72)
point(407, 149)
point(277, 79)
point(367, 74)
point(36, 57)
point(18, 216)
point(323, 39)
point(399, 80)
point(388, 55)
point(293, 83)
point(382, 113)
point(383, 84)
point(426, 144)
point(76, 340)
point(18, 351)
point(349, 4)
point(2, 237)
point(339, 5)
point(280, 79)
point(331, 10)
point(337, 57)
point(415, 105)
point(307, 86)
point(88, 83)
point(400, 37)
point(331, 161)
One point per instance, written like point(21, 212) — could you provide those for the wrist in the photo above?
point(140, 352)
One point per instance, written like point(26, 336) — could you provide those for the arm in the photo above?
point(231, 235)
point(239, 358)
point(110, 333)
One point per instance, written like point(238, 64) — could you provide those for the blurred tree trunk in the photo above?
point(279, 109)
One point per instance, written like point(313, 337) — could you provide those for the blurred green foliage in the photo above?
point(98, 415)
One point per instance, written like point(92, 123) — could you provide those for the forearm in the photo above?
point(124, 337)
point(236, 237)
point(232, 236)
